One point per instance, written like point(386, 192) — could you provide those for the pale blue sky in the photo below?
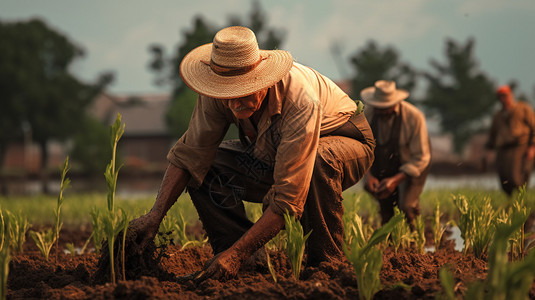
point(116, 34)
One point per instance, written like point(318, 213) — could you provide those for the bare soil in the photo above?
point(405, 275)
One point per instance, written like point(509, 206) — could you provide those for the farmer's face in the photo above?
point(244, 107)
point(385, 112)
point(506, 99)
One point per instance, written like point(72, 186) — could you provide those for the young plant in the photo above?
point(65, 182)
point(505, 280)
point(97, 236)
point(71, 249)
point(5, 258)
point(44, 241)
point(183, 239)
point(476, 222)
point(295, 246)
point(17, 227)
point(270, 265)
point(113, 223)
point(438, 229)
point(401, 236)
point(419, 234)
point(367, 260)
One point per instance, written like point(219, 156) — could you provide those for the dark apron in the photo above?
point(387, 156)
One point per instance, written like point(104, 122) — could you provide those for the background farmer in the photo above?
point(512, 134)
point(301, 144)
point(402, 153)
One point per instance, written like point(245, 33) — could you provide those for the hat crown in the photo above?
point(235, 47)
point(384, 88)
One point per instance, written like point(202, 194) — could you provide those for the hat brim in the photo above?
point(200, 78)
point(368, 96)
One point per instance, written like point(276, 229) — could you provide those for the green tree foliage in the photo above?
point(373, 63)
point(90, 146)
point(166, 67)
point(459, 92)
point(36, 83)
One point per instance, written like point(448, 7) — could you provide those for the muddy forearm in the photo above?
point(173, 184)
point(259, 234)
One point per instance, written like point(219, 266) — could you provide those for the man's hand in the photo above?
point(223, 266)
point(388, 185)
point(145, 228)
point(371, 185)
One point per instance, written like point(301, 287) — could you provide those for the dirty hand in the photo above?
point(371, 184)
point(386, 187)
point(145, 228)
point(224, 265)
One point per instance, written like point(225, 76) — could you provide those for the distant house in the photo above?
point(146, 141)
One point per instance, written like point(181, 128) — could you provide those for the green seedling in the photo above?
point(65, 182)
point(401, 236)
point(70, 248)
point(505, 280)
point(270, 265)
point(97, 236)
point(419, 234)
point(438, 229)
point(295, 246)
point(117, 130)
point(367, 259)
point(476, 223)
point(113, 223)
point(448, 284)
point(17, 227)
point(44, 241)
point(5, 258)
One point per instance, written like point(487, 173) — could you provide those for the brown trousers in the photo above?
point(513, 167)
point(340, 163)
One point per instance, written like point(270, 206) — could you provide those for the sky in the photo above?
point(116, 35)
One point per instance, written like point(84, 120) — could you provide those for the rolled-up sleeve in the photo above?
point(295, 157)
point(418, 146)
point(195, 151)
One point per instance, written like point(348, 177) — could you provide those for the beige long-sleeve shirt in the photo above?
point(415, 153)
point(512, 127)
point(301, 107)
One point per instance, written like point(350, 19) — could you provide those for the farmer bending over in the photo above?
point(398, 174)
point(301, 144)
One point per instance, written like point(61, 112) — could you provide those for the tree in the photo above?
point(166, 68)
point(459, 93)
point(373, 63)
point(37, 86)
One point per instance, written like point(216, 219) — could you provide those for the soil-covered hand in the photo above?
point(145, 229)
point(223, 266)
point(386, 187)
point(371, 184)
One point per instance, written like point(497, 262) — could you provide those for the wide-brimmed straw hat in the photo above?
point(383, 94)
point(233, 66)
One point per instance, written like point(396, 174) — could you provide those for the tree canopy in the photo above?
point(37, 86)
point(459, 92)
point(373, 63)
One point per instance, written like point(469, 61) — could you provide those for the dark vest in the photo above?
point(387, 156)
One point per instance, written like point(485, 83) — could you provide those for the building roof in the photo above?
point(143, 115)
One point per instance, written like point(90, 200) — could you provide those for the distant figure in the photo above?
point(512, 135)
point(402, 151)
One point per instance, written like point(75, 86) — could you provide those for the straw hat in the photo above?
point(383, 94)
point(233, 66)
